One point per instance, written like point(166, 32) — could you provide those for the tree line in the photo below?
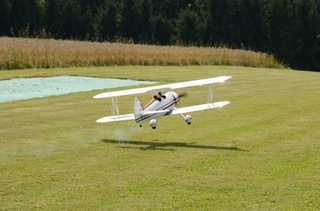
point(288, 29)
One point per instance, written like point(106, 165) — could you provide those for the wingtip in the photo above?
point(226, 78)
point(223, 103)
point(98, 96)
point(99, 120)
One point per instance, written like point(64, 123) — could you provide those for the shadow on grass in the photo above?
point(160, 145)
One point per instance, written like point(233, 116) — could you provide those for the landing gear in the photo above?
point(153, 124)
point(187, 119)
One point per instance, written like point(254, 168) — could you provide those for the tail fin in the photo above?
point(137, 109)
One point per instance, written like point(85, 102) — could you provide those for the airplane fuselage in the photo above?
point(159, 106)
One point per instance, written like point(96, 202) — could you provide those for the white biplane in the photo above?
point(161, 104)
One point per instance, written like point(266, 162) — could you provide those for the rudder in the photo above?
point(137, 108)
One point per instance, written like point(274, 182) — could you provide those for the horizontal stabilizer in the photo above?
point(156, 112)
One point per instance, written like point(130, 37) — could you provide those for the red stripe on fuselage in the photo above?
point(149, 104)
point(144, 117)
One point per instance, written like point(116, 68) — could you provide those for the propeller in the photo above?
point(184, 94)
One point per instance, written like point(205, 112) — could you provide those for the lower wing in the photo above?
point(200, 107)
point(129, 116)
point(116, 118)
point(176, 111)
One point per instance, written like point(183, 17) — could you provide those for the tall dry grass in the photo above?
point(21, 53)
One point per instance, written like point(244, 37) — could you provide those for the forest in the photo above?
point(288, 29)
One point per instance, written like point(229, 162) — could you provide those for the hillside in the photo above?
point(261, 152)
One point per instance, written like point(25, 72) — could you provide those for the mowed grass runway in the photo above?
point(261, 152)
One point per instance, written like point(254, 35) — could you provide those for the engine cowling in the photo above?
point(188, 119)
point(153, 124)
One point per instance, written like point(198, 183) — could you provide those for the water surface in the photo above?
point(28, 88)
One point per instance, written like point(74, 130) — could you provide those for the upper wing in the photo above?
point(200, 107)
point(166, 86)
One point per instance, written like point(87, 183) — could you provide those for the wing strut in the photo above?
point(178, 112)
point(115, 106)
point(210, 93)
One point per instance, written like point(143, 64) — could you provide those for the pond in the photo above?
point(28, 88)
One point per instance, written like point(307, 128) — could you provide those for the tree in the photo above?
point(162, 31)
point(306, 28)
point(294, 30)
point(145, 26)
point(71, 21)
point(280, 32)
point(289, 29)
point(130, 16)
point(219, 23)
point(188, 27)
point(53, 17)
point(246, 29)
point(26, 17)
point(107, 25)
point(5, 20)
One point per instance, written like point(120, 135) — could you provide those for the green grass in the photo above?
point(261, 152)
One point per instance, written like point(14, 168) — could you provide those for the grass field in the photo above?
point(261, 152)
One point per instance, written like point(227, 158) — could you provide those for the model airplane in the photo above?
point(161, 104)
